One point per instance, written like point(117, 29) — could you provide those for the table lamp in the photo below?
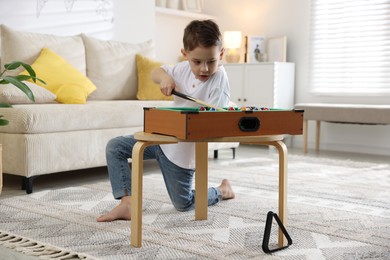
point(232, 42)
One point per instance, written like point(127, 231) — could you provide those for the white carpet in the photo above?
point(337, 210)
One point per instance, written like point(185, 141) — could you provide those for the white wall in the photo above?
point(169, 28)
point(59, 17)
point(121, 20)
point(134, 20)
point(169, 35)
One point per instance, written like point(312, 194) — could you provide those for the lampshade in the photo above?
point(232, 39)
point(232, 42)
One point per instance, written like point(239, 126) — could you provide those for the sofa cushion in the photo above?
point(112, 67)
point(71, 93)
point(147, 89)
point(61, 78)
point(51, 118)
point(26, 47)
point(12, 95)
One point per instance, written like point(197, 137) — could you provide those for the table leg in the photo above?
point(136, 193)
point(305, 135)
point(318, 132)
point(282, 149)
point(201, 180)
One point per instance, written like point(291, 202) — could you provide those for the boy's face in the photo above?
point(203, 61)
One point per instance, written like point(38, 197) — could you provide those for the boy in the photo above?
point(200, 76)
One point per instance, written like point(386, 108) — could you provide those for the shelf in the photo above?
point(182, 13)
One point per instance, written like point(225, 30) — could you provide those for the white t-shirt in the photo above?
point(215, 91)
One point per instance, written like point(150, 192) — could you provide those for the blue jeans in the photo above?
point(178, 181)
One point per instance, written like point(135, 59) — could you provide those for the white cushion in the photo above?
point(12, 95)
point(111, 66)
point(26, 47)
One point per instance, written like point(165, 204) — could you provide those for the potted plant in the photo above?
point(17, 81)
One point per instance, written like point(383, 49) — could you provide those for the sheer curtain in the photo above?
point(350, 47)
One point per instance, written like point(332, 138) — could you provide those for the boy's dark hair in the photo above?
point(203, 33)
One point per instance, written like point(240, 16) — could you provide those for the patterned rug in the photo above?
point(338, 209)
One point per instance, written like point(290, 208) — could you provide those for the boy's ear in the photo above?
point(221, 53)
point(183, 52)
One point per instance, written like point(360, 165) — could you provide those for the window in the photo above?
point(350, 47)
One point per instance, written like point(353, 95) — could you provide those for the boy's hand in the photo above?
point(167, 84)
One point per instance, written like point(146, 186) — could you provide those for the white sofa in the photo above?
point(47, 136)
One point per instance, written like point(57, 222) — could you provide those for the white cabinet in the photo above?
point(262, 84)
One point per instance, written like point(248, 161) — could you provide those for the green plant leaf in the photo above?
point(3, 122)
point(26, 77)
point(30, 71)
point(35, 78)
point(22, 86)
point(13, 65)
point(28, 68)
point(22, 77)
point(17, 81)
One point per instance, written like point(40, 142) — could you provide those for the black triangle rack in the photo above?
point(267, 233)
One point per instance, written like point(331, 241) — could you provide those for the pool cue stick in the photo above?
point(198, 101)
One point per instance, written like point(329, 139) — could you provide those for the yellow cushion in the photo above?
point(69, 84)
point(147, 89)
point(71, 94)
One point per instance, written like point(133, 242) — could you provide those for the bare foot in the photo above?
point(122, 211)
point(226, 190)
